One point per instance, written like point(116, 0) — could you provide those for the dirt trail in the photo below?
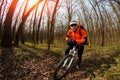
point(49, 64)
point(30, 66)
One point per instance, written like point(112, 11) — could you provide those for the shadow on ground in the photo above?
point(93, 66)
point(29, 65)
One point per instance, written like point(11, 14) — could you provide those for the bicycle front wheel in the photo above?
point(63, 67)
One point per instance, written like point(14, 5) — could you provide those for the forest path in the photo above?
point(38, 64)
point(49, 64)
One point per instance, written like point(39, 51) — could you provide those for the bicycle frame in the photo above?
point(65, 64)
point(72, 52)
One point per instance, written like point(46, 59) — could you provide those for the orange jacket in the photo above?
point(76, 35)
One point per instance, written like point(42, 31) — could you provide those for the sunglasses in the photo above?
point(73, 25)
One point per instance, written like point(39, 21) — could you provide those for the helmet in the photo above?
point(73, 23)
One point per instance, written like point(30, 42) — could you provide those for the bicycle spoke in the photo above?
point(63, 67)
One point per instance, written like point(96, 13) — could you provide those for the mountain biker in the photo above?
point(76, 35)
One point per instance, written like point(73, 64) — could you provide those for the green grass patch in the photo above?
point(103, 61)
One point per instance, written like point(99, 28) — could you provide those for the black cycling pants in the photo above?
point(80, 52)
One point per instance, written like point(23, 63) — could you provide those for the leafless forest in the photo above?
point(46, 21)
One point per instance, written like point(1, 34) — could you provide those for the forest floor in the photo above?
point(39, 64)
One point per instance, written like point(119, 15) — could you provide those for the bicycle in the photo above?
point(65, 64)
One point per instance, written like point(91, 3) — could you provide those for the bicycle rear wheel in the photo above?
point(63, 67)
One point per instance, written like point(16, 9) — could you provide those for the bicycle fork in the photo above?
point(72, 52)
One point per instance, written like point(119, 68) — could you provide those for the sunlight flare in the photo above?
point(32, 2)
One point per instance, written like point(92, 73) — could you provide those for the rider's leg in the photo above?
point(80, 52)
point(67, 50)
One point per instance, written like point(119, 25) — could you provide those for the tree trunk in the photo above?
point(53, 22)
point(7, 33)
point(1, 19)
point(24, 17)
point(14, 26)
point(22, 38)
point(37, 33)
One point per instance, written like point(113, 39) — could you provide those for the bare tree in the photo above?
point(70, 5)
point(7, 33)
point(53, 22)
point(17, 20)
point(35, 25)
point(37, 33)
point(51, 14)
point(24, 17)
point(2, 2)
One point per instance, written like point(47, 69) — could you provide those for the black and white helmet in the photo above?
point(73, 23)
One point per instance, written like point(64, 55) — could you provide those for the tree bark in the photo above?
point(24, 17)
point(37, 34)
point(7, 33)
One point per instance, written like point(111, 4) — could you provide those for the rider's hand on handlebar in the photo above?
point(71, 42)
point(74, 42)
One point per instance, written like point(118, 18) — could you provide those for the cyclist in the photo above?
point(76, 35)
